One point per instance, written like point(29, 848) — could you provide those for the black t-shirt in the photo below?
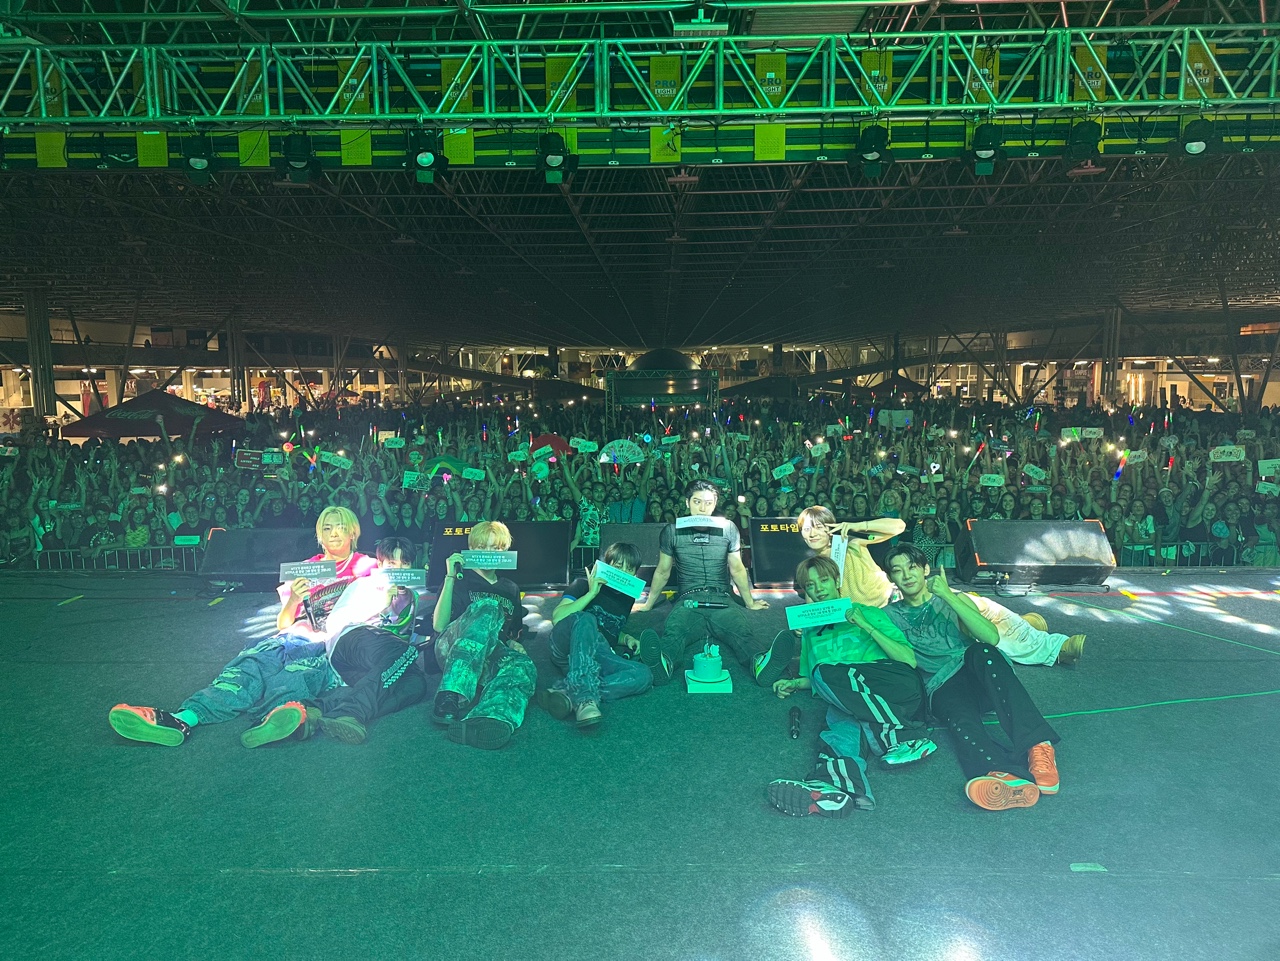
point(610, 608)
point(190, 530)
point(371, 531)
point(472, 587)
point(701, 554)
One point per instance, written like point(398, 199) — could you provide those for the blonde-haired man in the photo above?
point(488, 677)
point(274, 677)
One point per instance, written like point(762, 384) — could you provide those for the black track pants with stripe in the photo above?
point(885, 695)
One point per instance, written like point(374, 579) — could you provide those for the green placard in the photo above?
point(800, 616)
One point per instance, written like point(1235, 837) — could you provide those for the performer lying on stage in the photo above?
point(291, 665)
point(866, 673)
point(1025, 639)
point(488, 678)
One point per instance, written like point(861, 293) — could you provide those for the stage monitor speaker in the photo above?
point(542, 552)
point(253, 557)
point(1034, 552)
point(776, 550)
point(644, 536)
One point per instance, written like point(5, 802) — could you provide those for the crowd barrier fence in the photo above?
point(185, 560)
point(1182, 554)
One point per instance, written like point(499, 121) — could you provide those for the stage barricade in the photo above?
point(184, 560)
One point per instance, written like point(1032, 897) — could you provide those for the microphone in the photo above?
point(311, 617)
point(715, 605)
point(795, 723)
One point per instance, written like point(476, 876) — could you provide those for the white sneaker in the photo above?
point(908, 751)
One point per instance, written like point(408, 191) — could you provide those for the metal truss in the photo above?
point(1228, 69)
point(709, 255)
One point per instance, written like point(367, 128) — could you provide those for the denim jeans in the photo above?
point(262, 677)
point(593, 670)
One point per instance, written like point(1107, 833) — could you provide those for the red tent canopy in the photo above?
point(558, 443)
point(137, 418)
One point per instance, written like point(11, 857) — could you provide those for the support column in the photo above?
point(40, 354)
point(778, 360)
point(553, 361)
point(402, 374)
point(188, 384)
point(235, 362)
point(1110, 354)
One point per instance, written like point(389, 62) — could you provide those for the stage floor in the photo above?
point(649, 838)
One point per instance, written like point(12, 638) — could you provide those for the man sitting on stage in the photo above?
point(705, 552)
point(585, 642)
point(865, 671)
point(488, 678)
point(965, 675)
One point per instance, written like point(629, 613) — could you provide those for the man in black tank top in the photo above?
point(705, 553)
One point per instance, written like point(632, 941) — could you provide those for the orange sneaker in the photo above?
point(149, 724)
point(1036, 621)
point(1044, 767)
point(281, 722)
point(997, 791)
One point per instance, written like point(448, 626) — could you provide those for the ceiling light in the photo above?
point(872, 152)
point(1198, 138)
point(985, 149)
point(554, 158)
point(425, 156)
point(1082, 142)
point(298, 162)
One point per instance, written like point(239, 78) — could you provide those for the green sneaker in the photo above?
point(149, 724)
point(281, 722)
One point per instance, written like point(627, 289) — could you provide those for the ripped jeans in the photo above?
point(264, 676)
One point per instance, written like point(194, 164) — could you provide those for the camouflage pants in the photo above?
point(475, 661)
point(264, 676)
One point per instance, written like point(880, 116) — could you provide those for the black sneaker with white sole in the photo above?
point(802, 798)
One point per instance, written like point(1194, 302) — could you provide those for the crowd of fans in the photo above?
point(1155, 477)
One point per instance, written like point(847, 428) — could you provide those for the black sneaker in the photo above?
point(486, 733)
point(555, 703)
point(773, 663)
point(345, 729)
point(802, 798)
point(448, 707)
point(651, 653)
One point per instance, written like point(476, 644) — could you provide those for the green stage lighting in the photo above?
point(197, 154)
point(985, 149)
point(1198, 138)
point(554, 158)
point(872, 153)
point(425, 156)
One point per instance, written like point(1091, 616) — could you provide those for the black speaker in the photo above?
point(644, 536)
point(776, 550)
point(253, 557)
point(542, 553)
point(1034, 552)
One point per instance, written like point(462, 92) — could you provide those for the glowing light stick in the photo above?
point(976, 454)
point(1124, 459)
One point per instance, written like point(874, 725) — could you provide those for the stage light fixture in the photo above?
point(1198, 138)
point(197, 152)
point(986, 149)
point(1082, 142)
point(872, 153)
point(425, 156)
point(554, 158)
point(299, 162)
